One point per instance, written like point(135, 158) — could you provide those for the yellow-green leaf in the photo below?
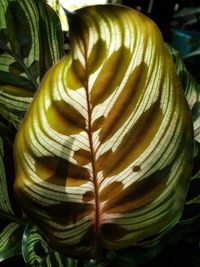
point(104, 155)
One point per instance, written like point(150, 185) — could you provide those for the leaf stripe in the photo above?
point(103, 155)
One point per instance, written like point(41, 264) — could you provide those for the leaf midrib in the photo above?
point(93, 156)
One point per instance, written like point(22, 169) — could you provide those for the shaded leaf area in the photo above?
point(185, 254)
point(11, 222)
point(36, 252)
point(31, 41)
point(191, 89)
point(8, 207)
point(14, 102)
point(10, 240)
point(191, 212)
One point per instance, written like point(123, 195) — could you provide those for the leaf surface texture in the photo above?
point(103, 156)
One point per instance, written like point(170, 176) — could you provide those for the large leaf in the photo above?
point(104, 155)
point(30, 43)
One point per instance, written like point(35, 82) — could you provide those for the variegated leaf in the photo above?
point(72, 5)
point(10, 241)
point(14, 102)
point(191, 212)
point(104, 154)
point(30, 43)
point(8, 207)
point(191, 89)
point(36, 252)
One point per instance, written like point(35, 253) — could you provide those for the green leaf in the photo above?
point(50, 37)
point(104, 155)
point(31, 41)
point(19, 36)
point(34, 247)
point(36, 252)
point(188, 11)
point(194, 53)
point(14, 102)
point(189, 224)
point(3, 40)
point(191, 89)
point(191, 212)
point(16, 68)
point(7, 203)
point(10, 241)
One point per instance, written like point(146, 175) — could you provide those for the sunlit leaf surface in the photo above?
point(72, 5)
point(104, 154)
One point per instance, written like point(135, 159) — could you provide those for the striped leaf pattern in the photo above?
point(30, 43)
point(191, 212)
point(191, 90)
point(10, 241)
point(36, 252)
point(8, 207)
point(103, 156)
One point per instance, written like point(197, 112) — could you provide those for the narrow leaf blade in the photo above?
point(8, 205)
point(191, 89)
point(10, 241)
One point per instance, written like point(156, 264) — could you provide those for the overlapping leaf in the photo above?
point(8, 206)
point(37, 253)
point(10, 241)
point(191, 212)
point(103, 157)
point(11, 222)
point(191, 89)
point(30, 43)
